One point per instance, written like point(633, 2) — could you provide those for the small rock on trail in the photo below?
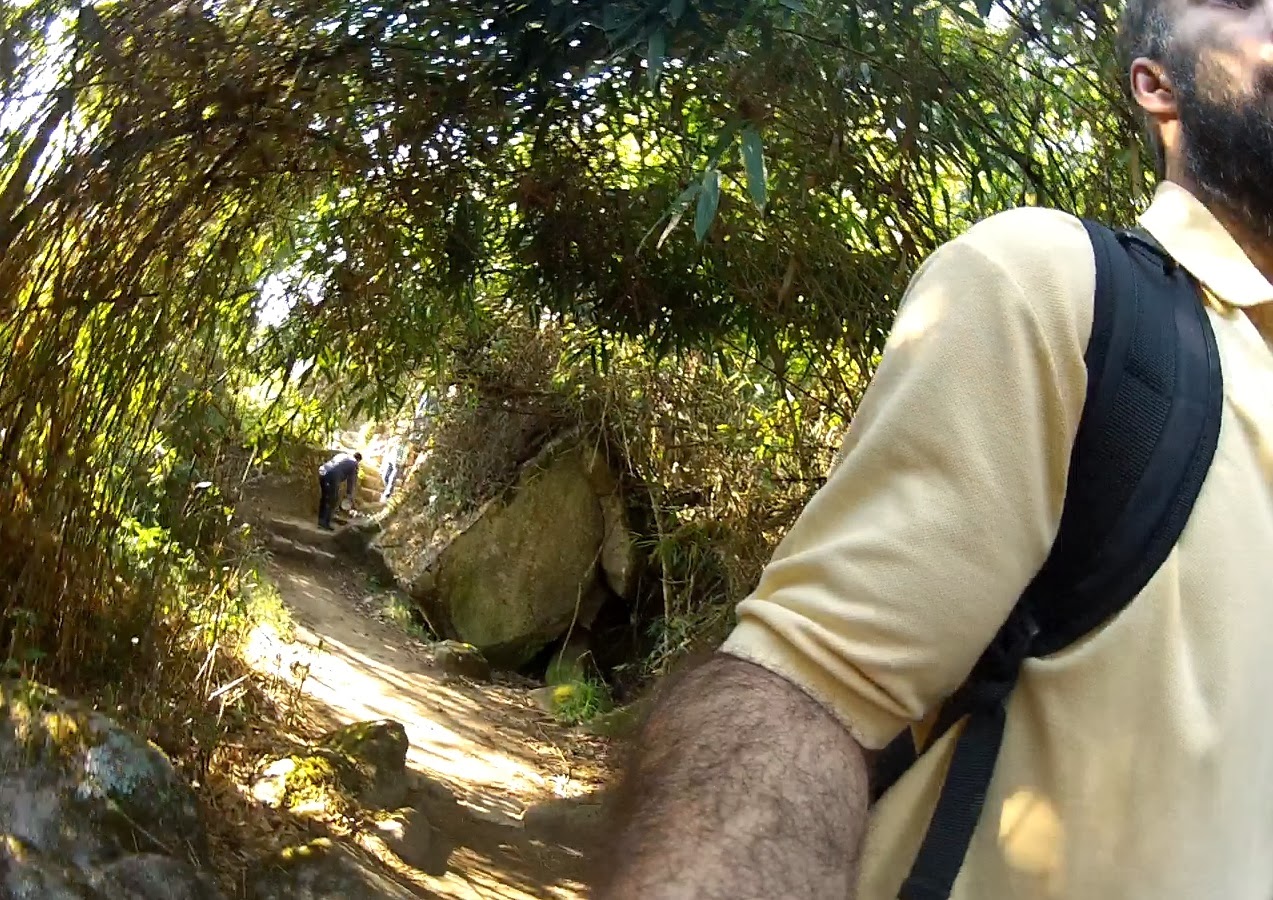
point(363, 763)
point(465, 660)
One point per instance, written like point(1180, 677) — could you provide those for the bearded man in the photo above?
point(1135, 763)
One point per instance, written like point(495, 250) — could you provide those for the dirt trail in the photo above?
point(487, 743)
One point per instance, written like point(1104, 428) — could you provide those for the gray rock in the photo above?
point(544, 698)
point(302, 533)
point(619, 559)
point(81, 790)
point(27, 874)
point(321, 870)
point(573, 820)
point(299, 550)
point(151, 876)
point(409, 836)
point(619, 723)
point(367, 526)
point(465, 660)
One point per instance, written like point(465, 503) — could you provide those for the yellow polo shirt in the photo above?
point(1137, 764)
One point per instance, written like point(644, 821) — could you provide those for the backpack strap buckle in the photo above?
point(996, 673)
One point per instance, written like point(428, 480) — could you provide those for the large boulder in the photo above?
point(619, 559)
point(88, 809)
point(515, 579)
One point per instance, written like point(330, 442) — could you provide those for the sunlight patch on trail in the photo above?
point(457, 732)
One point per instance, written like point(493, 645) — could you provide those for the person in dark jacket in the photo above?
point(340, 468)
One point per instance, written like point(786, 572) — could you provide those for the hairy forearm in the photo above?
point(740, 786)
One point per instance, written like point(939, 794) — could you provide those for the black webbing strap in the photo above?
point(983, 699)
point(1150, 425)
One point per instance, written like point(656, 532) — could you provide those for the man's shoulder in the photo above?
point(1028, 238)
point(1038, 257)
point(1031, 264)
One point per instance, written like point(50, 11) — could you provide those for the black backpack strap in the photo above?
point(1150, 425)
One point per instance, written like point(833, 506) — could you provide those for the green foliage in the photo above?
point(576, 702)
point(224, 226)
point(402, 612)
point(754, 161)
point(717, 455)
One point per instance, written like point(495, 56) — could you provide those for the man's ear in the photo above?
point(1152, 89)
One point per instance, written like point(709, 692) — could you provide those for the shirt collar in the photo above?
point(1189, 232)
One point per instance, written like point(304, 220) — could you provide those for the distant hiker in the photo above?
point(425, 410)
point(1036, 584)
point(391, 469)
point(340, 468)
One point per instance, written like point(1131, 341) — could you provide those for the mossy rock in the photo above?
point(360, 765)
point(465, 660)
point(516, 578)
point(378, 750)
point(313, 781)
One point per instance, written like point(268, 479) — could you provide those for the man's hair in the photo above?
point(1144, 30)
point(358, 456)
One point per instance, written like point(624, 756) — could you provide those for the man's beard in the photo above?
point(1228, 141)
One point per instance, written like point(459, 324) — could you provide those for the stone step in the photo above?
point(300, 532)
point(282, 546)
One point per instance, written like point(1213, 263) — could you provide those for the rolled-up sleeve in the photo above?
point(947, 493)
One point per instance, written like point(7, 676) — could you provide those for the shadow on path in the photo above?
point(492, 750)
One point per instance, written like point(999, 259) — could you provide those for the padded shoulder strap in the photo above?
point(1150, 425)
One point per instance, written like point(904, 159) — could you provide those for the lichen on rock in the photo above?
point(464, 660)
point(88, 809)
point(78, 787)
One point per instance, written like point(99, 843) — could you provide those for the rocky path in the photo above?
point(501, 793)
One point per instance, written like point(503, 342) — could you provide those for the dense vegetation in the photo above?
point(683, 223)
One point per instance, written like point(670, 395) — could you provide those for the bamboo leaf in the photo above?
point(708, 201)
point(655, 54)
point(673, 214)
point(754, 162)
